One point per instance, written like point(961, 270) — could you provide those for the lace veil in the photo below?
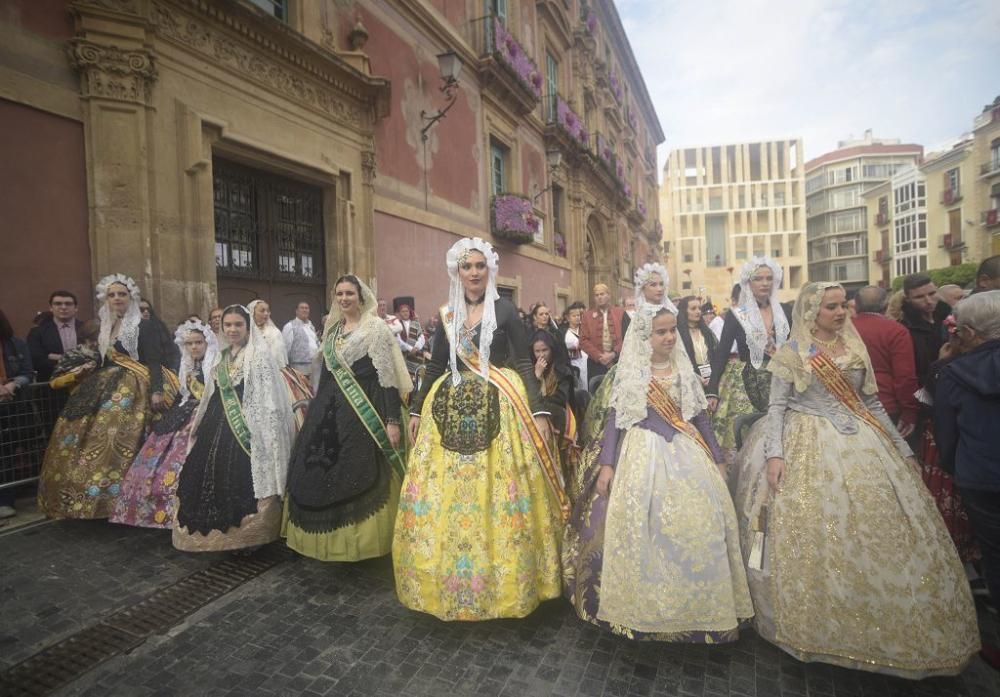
point(373, 337)
point(634, 373)
point(188, 367)
point(266, 409)
point(128, 330)
point(748, 312)
point(791, 362)
point(272, 336)
point(456, 302)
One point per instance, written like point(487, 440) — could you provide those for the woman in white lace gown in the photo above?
point(848, 559)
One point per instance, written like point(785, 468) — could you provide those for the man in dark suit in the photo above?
point(601, 333)
point(52, 338)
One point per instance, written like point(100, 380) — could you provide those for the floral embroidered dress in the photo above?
point(857, 568)
point(101, 430)
point(477, 533)
point(148, 494)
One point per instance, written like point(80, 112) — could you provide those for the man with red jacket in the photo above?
point(601, 332)
point(890, 348)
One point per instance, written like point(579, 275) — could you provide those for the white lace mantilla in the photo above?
point(128, 328)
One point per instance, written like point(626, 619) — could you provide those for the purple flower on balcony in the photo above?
point(514, 218)
point(620, 170)
point(627, 188)
point(570, 122)
point(560, 244)
point(633, 121)
point(512, 54)
point(591, 23)
point(641, 207)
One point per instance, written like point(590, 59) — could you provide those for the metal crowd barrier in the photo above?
point(26, 422)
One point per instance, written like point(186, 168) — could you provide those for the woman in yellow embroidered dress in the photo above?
point(347, 463)
point(848, 559)
point(477, 533)
point(105, 420)
point(652, 550)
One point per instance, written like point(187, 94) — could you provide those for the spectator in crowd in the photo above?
point(920, 303)
point(571, 338)
point(988, 275)
point(894, 311)
point(170, 352)
point(395, 326)
point(891, 350)
point(301, 343)
point(696, 339)
point(628, 302)
point(540, 317)
point(950, 294)
point(215, 322)
point(601, 332)
point(52, 337)
point(708, 314)
point(77, 363)
point(411, 337)
point(15, 373)
point(966, 415)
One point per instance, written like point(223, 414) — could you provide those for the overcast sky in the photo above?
point(725, 71)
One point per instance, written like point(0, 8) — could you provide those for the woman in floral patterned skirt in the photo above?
point(480, 515)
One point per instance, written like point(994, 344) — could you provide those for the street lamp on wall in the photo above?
point(553, 158)
point(451, 66)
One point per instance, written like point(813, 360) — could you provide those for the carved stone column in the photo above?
point(117, 75)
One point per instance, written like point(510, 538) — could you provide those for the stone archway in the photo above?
point(600, 257)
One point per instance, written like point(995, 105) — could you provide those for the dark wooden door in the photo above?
point(269, 240)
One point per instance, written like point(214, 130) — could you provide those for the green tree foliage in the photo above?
point(961, 275)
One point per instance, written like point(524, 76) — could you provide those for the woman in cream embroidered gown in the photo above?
point(230, 490)
point(857, 567)
point(346, 467)
point(651, 281)
point(652, 548)
point(480, 515)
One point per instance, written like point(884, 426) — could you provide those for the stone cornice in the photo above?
point(275, 56)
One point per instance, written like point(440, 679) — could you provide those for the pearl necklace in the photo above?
point(660, 366)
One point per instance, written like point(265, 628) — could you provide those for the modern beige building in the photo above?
point(941, 213)
point(836, 220)
point(723, 204)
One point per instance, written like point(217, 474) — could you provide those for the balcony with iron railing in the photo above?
point(563, 126)
point(950, 196)
point(504, 65)
point(990, 218)
point(881, 219)
point(991, 168)
point(952, 241)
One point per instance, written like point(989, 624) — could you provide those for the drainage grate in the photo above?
point(67, 660)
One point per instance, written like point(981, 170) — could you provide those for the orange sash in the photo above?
point(833, 379)
point(507, 388)
point(664, 406)
point(171, 386)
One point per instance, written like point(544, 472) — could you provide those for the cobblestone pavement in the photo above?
point(337, 629)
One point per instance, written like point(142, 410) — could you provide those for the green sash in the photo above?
point(231, 404)
point(362, 406)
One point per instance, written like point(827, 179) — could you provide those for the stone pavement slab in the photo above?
point(59, 577)
point(308, 628)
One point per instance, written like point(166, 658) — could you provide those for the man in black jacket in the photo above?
point(52, 338)
point(923, 320)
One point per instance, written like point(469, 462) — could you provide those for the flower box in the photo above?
point(560, 244)
point(570, 122)
point(512, 217)
point(509, 52)
point(615, 84)
point(640, 206)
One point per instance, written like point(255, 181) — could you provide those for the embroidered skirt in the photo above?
point(93, 444)
point(148, 494)
point(597, 410)
point(660, 558)
point(478, 529)
point(858, 568)
point(946, 496)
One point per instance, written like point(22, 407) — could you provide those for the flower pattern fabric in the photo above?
point(476, 533)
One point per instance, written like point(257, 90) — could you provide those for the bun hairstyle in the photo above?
point(353, 280)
